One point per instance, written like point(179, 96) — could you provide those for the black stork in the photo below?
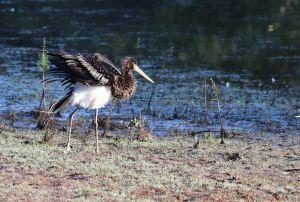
point(92, 81)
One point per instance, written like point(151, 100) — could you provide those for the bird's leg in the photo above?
point(96, 131)
point(70, 129)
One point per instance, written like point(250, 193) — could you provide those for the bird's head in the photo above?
point(131, 64)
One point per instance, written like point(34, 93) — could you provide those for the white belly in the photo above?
point(92, 97)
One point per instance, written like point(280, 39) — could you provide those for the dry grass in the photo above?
point(167, 169)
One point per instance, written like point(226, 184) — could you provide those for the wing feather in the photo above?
point(87, 69)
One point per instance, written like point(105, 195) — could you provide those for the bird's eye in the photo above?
point(133, 61)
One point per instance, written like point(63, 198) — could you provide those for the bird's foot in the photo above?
point(69, 148)
point(97, 150)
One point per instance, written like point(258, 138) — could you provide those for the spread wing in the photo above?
point(88, 69)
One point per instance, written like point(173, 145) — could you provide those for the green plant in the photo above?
point(43, 64)
point(135, 126)
point(208, 137)
point(137, 123)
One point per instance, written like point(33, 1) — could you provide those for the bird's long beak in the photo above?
point(138, 70)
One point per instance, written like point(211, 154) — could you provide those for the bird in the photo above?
point(91, 81)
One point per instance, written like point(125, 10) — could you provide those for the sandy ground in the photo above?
point(247, 168)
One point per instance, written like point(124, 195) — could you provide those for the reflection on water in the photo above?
point(261, 38)
point(257, 43)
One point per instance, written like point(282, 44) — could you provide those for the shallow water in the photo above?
point(250, 49)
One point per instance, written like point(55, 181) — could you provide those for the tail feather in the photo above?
point(61, 104)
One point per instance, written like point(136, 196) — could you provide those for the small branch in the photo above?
point(206, 104)
point(150, 99)
point(167, 53)
point(43, 111)
point(203, 131)
point(293, 170)
point(217, 97)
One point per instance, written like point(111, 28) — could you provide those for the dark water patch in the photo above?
point(181, 105)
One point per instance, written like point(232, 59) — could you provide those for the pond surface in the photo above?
point(251, 49)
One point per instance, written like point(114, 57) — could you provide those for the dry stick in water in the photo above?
point(206, 104)
point(150, 98)
point(43, 99)
point(167, 53)
point(153, 90)
point(217, 97)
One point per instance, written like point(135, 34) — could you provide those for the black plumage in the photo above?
point(88, 69)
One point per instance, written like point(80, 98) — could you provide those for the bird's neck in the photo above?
point(124, 86)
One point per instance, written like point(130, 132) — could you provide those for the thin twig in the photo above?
point(217, 98)
point(206, 104)
point(203, 131)
point(43, 111)
point(150, 99)
point(167, 53)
